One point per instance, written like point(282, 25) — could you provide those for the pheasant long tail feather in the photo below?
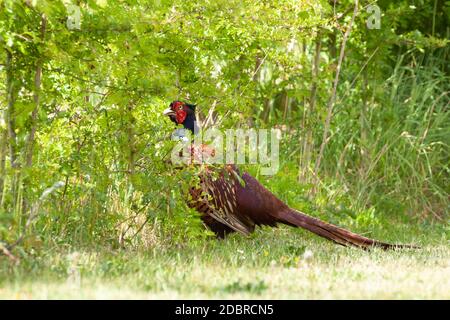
point(334, 233)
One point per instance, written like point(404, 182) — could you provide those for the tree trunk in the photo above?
point(332, 99)
point(332, 45)
point(256, 75)
point(29, 146)
point(363, 123)
point(312, 105)
point(36, 98)
point(10, 118)
point(10, 112)
point(131, 141)
point(3, 150)
point(266, 111)
point(285, 104)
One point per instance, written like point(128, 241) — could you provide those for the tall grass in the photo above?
point(402, 163)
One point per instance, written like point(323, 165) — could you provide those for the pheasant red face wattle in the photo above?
point(180, 113)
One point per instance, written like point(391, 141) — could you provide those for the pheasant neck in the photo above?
point(191, 124)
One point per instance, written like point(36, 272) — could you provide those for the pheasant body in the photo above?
point(233, 203)
point(231, 200)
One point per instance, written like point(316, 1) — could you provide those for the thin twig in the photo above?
point(5, 251)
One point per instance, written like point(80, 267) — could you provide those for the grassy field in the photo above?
point(272, 264)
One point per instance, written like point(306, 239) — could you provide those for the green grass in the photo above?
point(279, 263)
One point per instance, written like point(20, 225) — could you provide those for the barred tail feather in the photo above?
point(334, 233)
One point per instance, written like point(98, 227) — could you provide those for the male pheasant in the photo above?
point(230, 201)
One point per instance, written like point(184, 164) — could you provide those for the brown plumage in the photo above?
point(230, 201)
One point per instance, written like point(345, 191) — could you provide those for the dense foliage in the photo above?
point(83, 143)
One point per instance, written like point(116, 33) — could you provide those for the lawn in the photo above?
point(281, 263)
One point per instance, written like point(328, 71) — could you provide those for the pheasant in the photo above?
point(229, 201)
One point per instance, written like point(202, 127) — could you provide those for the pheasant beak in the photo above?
point(168, 112)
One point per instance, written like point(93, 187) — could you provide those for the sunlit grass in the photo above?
point(281, 263)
